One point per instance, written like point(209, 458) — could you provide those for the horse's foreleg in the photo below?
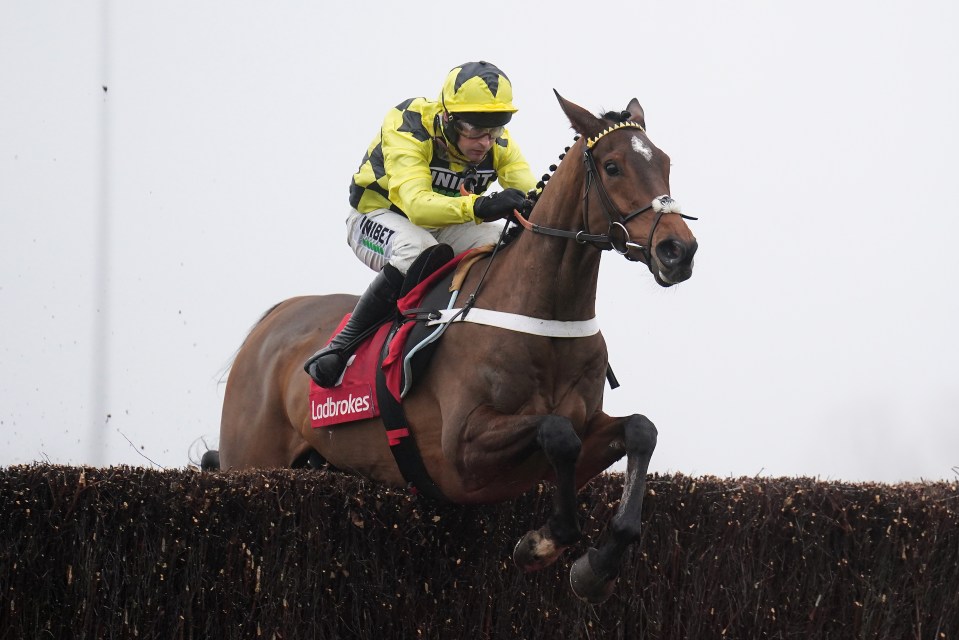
point(594, 574)
point(540, 548)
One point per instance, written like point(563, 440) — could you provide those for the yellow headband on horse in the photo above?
point(619, 125)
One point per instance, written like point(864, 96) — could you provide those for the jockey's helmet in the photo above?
point(478, 93)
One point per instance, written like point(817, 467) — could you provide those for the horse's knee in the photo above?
point(558, 439)
point(641, 434)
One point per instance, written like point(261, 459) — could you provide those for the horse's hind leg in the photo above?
point(593, 575)
point(540, 548)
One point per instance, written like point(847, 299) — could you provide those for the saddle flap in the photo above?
point(353, 398)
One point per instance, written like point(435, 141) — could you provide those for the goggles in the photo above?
point(470, 132)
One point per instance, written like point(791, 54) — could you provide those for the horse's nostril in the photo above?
point(671, 252)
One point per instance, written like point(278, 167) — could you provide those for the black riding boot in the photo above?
point(375, 305)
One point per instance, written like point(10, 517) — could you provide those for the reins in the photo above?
point(471, 300)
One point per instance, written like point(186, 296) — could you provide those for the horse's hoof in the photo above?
point(586, 583)
point(210, 460)
point(536, 551)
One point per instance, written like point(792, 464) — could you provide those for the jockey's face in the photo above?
point(475, 149)
point(472, 141)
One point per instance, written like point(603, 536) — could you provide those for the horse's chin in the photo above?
point(676, 276)
point(663, 278)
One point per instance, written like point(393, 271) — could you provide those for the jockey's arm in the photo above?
point(407, 162)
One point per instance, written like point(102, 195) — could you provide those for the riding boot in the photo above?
point(375, 305)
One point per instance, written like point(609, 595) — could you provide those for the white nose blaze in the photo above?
point(640, 147)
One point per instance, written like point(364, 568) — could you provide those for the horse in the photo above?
point(499, 411)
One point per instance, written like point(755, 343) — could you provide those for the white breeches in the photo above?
point(382, 237)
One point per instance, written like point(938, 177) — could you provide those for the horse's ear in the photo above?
point(585, 123)
point(636, 112)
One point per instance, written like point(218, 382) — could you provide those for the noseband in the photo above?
point(616, 237)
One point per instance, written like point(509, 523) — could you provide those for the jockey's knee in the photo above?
point(405, 253)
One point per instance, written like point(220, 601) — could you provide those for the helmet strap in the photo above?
point(446, 126)
point(446, 137)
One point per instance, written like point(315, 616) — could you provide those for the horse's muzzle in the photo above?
point(673, 261)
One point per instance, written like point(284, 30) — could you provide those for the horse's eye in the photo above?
point(611, 169)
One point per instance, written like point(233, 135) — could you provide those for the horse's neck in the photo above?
point(555, 277)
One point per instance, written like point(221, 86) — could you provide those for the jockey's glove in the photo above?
point(499, 205)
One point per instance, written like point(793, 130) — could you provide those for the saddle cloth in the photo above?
point(354, 398)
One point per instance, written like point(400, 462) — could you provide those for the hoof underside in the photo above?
point(586, 583)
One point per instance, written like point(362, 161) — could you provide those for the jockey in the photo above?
point(406, 196)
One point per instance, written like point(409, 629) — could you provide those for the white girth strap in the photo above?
point(523, 324)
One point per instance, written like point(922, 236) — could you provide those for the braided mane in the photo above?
point(533, 195)
point(614, 116)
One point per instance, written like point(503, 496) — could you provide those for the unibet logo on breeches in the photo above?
point(375, 236)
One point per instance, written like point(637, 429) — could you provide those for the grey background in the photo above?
point(145, 228)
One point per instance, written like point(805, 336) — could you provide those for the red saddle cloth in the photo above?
point(355, 397)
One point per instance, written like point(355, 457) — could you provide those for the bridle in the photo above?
point(616, 237)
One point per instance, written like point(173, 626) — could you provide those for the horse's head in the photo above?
point(627, 192)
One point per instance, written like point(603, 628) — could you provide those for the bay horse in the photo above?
point(499, 410)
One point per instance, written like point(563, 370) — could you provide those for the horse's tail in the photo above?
point(210, 460)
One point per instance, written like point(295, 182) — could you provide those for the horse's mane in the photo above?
point(616, 116)
point(613, 116)
point(534, 194)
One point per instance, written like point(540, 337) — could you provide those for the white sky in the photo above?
point(815, 140)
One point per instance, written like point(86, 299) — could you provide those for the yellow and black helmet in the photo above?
point(479, 93)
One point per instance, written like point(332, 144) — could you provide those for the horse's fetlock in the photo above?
point(564, 533)
point(625, 533)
